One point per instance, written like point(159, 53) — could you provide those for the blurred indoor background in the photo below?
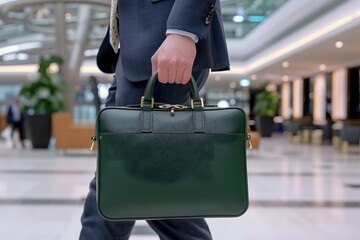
point(295, 71)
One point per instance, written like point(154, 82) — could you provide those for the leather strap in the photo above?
point(147, 103)
point(146, 121)
point(149, 89)
point(198, 121)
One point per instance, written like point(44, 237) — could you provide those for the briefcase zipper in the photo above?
point(93, 140)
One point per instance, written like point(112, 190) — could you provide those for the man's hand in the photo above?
point(174, 59)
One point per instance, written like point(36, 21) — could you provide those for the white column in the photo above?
point(319, 113)
point(339, 94)
point(72, 59)
point(285, 100)
point(298, 98)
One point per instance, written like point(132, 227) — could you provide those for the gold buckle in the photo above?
point(201, 102)
point(142, 102)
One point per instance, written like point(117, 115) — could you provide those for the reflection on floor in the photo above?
point(297, 192)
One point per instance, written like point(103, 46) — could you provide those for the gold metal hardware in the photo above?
point(93, 140)
point(201, 102)
point(248, 138)
point(143, 99)
point(175, 106)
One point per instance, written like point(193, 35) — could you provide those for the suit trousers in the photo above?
point(94, 227)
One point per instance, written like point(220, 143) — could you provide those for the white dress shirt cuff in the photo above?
point(184, 33)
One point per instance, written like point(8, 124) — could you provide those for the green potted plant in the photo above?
point(265, 108)
point(41, 98)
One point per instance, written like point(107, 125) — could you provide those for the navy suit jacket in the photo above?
point(10, 117)
point(142, 28)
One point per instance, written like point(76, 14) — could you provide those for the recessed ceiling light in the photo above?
point(217, 78)
point(253, 77)
point(285, 64)
point(68, 16)
point(339, 44)
point(232, 85)
point(223, 104)
point(322, 67)
point(53, 68)
point(285, 78)
point(244, 82)
point(238, 19)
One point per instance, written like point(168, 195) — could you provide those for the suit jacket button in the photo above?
point(207, 20)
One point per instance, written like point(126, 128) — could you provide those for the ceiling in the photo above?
point(303, 39)
point(36, 27)
point(303, 33)
point(30, 28)
point(242, 16)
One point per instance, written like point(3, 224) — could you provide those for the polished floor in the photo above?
point(297, 192)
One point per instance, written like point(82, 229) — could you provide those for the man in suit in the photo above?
point(15, 119)
point(177, 38)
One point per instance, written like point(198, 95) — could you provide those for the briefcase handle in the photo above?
point(147, 101)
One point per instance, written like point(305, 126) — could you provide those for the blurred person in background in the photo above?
point(15, 119)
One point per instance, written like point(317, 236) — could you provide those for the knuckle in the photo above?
point(162, 62)
point(153, 60)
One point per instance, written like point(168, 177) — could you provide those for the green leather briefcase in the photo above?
point(161, 161)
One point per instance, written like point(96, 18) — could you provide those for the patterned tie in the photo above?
point(114, 34)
